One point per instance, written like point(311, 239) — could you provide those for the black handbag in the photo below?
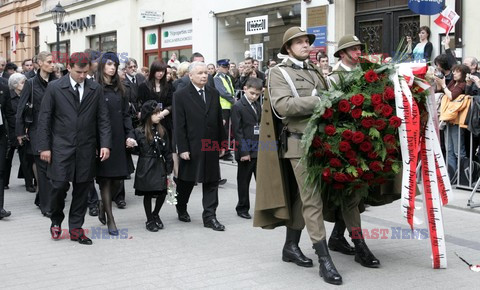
point(28, 110)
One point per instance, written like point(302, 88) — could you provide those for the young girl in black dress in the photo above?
point(154, 163)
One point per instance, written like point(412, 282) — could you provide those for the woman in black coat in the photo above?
point(119, 166)
point(154, 163)
point(157, 88)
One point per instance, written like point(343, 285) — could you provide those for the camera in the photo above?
point(439, 75)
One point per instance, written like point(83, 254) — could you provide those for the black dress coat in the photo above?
point(195, 120)
point(120, 164)
point(39, 88)
point(244, 119)
point(154, 163)
point(8, 112)
point(73, 134)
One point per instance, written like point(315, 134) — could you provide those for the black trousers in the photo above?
point(26, 165)
point(44, 185)
point(120, 195)
point(78, 207)
point(244, 175)
point(3, 152)
point(92, 196)
point(8, 164)
point(209, 200)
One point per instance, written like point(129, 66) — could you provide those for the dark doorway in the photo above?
point(381, 24)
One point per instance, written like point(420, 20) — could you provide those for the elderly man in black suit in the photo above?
point(199, 135)
point(7, 126)
point(73, 119)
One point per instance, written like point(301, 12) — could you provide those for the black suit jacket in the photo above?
point(73, 133)
point(244, 119)
point(198, 129)
point(8, 113)
point(185, 81)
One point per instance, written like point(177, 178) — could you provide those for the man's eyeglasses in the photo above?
point(132, 66)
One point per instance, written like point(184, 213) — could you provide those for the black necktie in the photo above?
point(200, 92)
point(77, 94)
point(133, 79)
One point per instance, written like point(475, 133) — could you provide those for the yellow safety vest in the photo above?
point(226, 105)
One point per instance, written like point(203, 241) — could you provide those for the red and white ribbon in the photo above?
point(417, 144)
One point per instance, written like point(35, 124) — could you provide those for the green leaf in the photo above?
point(374, 133)
point(396, 167)
point(351, 170)
point(367, 114)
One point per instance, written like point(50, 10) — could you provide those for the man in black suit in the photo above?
point(246, 115)
point(7, 115)
point(72, 115)
point(199, 135)
point(185, 80)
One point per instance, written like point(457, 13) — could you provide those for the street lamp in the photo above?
point(57, 16)
point(21, 36)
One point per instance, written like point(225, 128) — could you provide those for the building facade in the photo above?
point(19, 16)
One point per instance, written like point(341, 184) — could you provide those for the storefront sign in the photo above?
point(81, 23)
point(317, 16)
point(256, 25)
point(426, 7)
point(152, 16)
point(320, 35)
point(151, 39)
point(256, 51)
point(177, 35)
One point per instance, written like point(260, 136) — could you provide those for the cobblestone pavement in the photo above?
point(189, 256)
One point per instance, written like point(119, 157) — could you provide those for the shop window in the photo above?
point(182, 54)
point(36, 40)
point(104, 42)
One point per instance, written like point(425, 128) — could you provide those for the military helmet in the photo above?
point(294, 32)
point(347, 41)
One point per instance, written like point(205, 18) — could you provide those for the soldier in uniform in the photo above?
point(293, 88)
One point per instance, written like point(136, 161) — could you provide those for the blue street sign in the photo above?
point(320, 35)
point(426, 7)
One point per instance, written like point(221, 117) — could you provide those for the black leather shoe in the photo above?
point(80, 238)
point(121, 204)
point(291, 251)
point(184, 217)
point(158, 221)
point(363, 254)
point(244, 215)
point(222, 181)
point(101, 213)
point(56, 231)
point(228, 157)
point(93, 211)
point(340, 244)
point(214, 224)
point(327, 269)
point(4, 213)
point(151, 226)
point(31, 189)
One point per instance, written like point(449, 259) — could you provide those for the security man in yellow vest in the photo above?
point(224, 85)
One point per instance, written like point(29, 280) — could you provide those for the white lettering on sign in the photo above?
point(256, 25)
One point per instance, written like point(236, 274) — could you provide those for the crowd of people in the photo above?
point(80, 124)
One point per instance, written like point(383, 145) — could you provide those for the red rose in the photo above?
point(351, 154)
point(368, 122)
point(366, 146)
point(344, 146)
point(387, 110)
point(330, 130)
point(392, 150)
point(350, 178)
point(335, 162)
point(376, 99)
point(340, 177)
point(357, 100)
point(389, 138)
point(347, 135)
point(389, 93)
point(359, 171)
point(371, 76)
point(387, 168)
point(380, 124)
point(358, 137)
point(395, 122)
point(344, 106)
point(316, 142)
point(372, 155)
point(356, 113)
point(327, 146)
point(368, 176)
point(378, 108)
point(326, 174)
point(380, 180)
point(375, 166)
point(318, 154)
point(338, 186)
point(329, 154)
point(353, 162)
point(328, 114)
